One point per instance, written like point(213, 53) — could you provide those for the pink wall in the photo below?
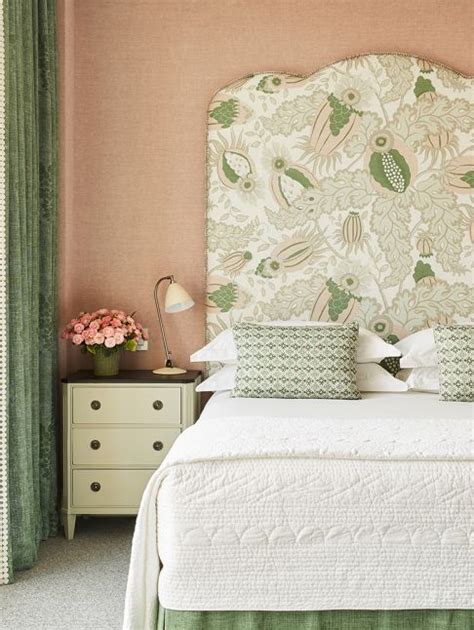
point(137, 78)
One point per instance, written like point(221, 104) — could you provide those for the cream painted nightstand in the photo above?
point(116, 432)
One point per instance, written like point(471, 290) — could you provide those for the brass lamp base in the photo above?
point(169, 370)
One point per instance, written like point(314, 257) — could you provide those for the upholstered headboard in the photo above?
point(345, 195)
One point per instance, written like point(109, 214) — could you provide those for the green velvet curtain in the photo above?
point(31, 173)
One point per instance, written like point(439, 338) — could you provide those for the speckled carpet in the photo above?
point(75, 585)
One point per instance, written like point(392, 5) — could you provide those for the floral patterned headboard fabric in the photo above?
point(345, 195)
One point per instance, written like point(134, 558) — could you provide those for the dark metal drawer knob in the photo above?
point(158, 405)
point(157, 445)
point(95, 404)
point(95, 445)
point(95, 486)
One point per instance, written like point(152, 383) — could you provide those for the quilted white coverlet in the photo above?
point(309, 505)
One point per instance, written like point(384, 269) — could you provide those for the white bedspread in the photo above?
point(309, 505)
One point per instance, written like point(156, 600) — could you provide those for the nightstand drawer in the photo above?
point(125, 447)
point(154, 405)
point(108, 488)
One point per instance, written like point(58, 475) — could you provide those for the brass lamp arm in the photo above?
point(169, 362)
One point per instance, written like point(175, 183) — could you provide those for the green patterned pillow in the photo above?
point(455, 349)
point(296, 361)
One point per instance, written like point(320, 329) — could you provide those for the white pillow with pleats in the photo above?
point(222, 349)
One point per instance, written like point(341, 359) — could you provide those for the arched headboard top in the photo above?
point(343, 195)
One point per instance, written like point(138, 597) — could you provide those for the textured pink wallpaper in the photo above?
point(137, 76)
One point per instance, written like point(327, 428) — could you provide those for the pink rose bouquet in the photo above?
point(109, 331)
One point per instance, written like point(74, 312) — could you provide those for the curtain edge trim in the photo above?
point(5, 556)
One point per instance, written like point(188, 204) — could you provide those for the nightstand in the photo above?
point(116, 432)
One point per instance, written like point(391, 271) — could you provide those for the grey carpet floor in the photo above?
point(75, 585)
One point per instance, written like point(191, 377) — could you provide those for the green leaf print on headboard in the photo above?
point(344, 195)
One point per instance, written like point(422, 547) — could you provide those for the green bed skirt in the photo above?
point(321, 620)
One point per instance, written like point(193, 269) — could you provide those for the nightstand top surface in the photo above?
point(131, 376)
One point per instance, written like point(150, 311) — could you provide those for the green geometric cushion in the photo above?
point(296, 361)
point(455, 349)
point(391, 364)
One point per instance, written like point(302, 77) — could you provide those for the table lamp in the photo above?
point(176, 299)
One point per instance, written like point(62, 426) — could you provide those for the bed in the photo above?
point(339, 197)
point(281, 505)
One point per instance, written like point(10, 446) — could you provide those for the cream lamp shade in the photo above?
point(176, 299)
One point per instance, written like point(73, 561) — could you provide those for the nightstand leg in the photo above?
point(69, 523)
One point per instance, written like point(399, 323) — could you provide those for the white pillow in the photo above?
point(370, 378)
point(421, 379)
point(219, 381)
point(373, 378)
point(222, 348)
point(418, 349)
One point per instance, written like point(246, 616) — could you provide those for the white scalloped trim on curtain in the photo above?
point(4, 537)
